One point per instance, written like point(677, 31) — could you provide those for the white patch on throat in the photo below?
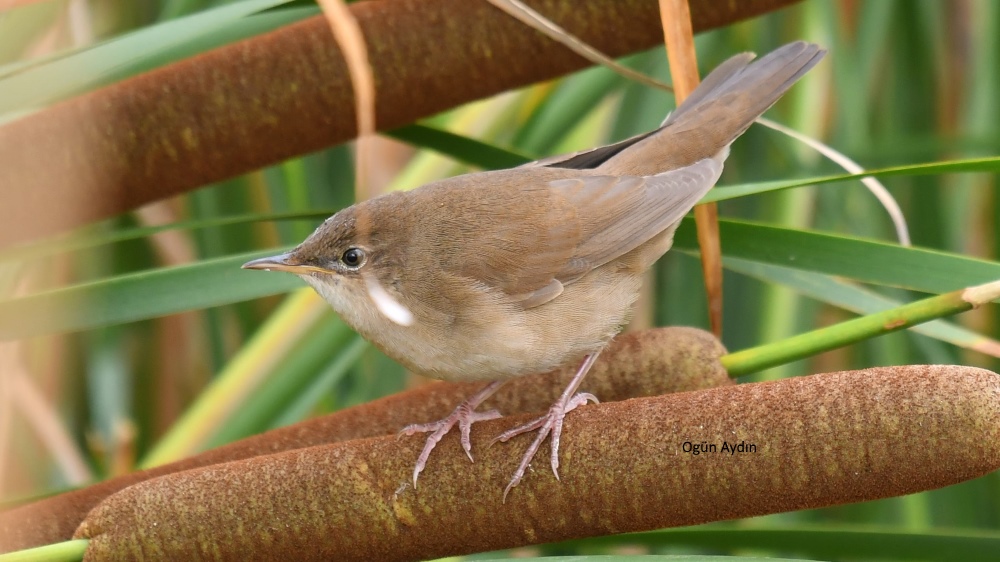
point(388, 306)
point(362, 308)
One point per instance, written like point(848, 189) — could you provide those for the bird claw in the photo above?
point(464, 415)
point(551, 422)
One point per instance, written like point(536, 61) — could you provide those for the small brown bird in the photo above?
point(495, 275)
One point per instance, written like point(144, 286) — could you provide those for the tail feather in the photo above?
point(720, 77)
point(755, 85)
point(720, 109)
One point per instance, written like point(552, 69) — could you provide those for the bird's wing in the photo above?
point(567, 227)
point(528, 230)
point(618, 214)
point(590, 158)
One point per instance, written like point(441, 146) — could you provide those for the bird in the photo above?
point(499, 274)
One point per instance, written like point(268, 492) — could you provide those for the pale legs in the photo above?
point(465, 415)
point(551, 422)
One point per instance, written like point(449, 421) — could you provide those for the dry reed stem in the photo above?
point(675, 16)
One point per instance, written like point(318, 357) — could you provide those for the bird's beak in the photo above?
point(282, 262)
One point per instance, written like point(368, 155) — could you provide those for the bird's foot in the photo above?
point(464, 415)
point(551, 422)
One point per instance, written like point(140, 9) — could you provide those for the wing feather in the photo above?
point(566, 227)
point(619, 214)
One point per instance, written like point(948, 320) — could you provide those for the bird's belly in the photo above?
point(493, 339)
point(486, 345)
point(507, 352)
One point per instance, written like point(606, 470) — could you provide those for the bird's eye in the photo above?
point(353, 257)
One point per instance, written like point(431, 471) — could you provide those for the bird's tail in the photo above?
point(720, 109)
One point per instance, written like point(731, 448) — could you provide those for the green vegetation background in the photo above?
point(904, 83)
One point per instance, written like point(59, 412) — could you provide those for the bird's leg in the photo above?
point(464, 415)
point(551, 422)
